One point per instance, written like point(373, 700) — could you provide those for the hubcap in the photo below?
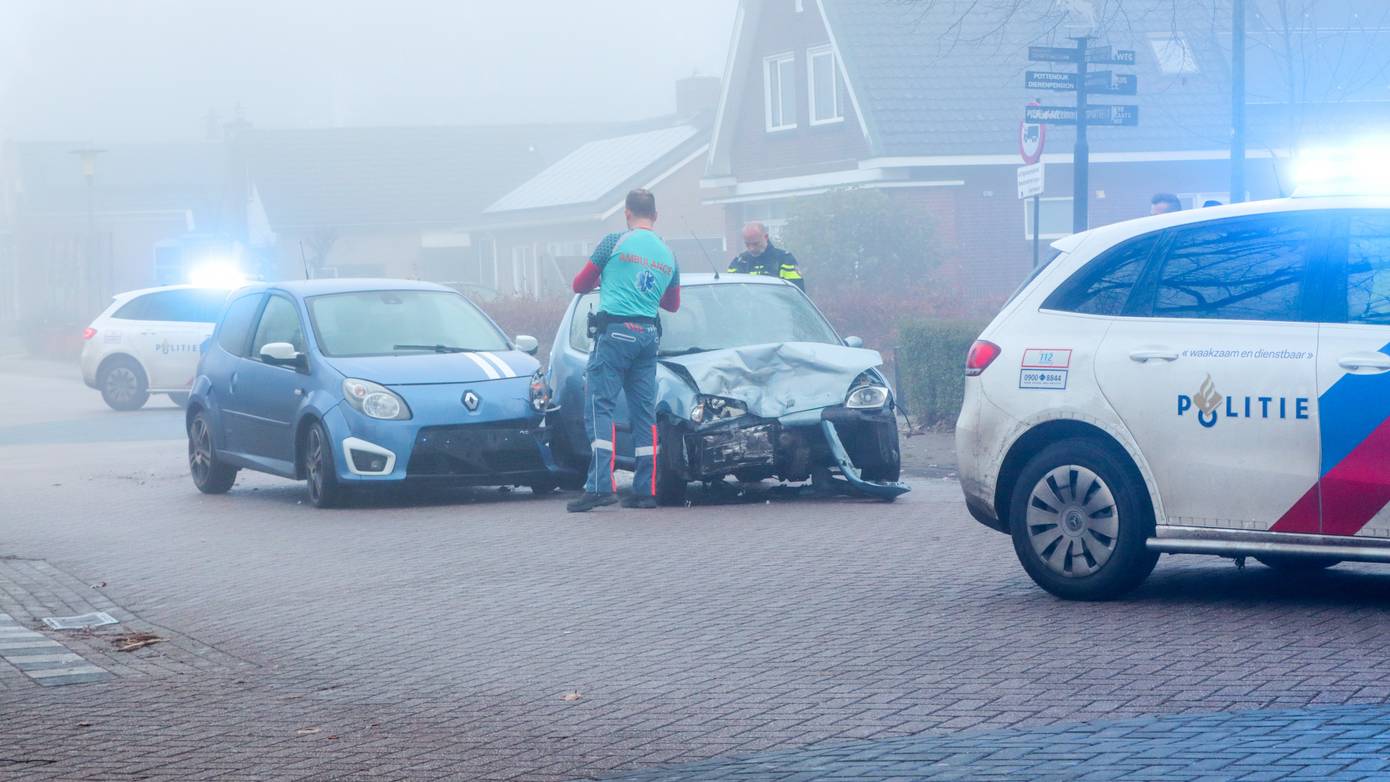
point(121, 383)
point(1073, 524)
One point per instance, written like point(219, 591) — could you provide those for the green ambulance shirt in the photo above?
point(636, 269)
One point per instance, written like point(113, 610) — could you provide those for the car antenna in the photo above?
point(305, 259)
point(701, 245)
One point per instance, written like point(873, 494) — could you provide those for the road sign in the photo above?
point(1051, 80)
point(1052, 115)
point(1030, 180)
point(1095, 115)
point(1097, 53)
point(1053, 54)
point(1117, 57)
point(1121, 114)
point(1031, 139)
point(1111, 83)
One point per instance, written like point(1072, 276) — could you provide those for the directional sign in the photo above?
point(1117, 57)
point(1030, 180)
point(1098, 54)
point(1051, 80)
point(1123, 114)
point(1051, 115)
point(1095, 115)
point(1111, 83)
point(1052, 54)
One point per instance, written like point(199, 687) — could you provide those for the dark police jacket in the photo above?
point(774, 262)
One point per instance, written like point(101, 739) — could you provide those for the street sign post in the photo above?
point(1083, 114)
point(1031, 180)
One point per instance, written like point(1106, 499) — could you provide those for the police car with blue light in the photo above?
point(1214, 381)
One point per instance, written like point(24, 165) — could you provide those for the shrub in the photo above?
point(931, 368)
point(522, 315)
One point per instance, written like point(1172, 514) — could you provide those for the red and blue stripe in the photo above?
point(1354, 480)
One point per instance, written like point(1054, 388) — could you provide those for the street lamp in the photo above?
point(88, 156)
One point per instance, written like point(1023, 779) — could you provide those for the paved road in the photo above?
point(490, 635)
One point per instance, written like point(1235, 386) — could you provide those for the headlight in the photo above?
point(716, 408)
point(540, 392)
point(375, 401)
point(867, 393)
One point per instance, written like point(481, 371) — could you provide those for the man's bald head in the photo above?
point(755, 238)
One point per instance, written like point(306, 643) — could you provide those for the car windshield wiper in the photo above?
point(436, 348)
point(684, 351)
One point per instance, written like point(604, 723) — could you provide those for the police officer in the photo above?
point(636, 273)
point(761, 257)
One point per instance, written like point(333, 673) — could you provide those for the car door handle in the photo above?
point(1153, 354)
point(231, 386)
point(1365, 362)
point(299, 392)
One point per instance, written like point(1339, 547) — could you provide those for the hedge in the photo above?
point(931, 368)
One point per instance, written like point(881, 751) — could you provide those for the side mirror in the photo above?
point(283, 354)
point(854, 342)
point(527, 344)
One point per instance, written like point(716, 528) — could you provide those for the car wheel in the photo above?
point(324, 489)
point(670, 485)
point(1298, 564)
point(209, 475)
point(1079, 524)
point(123, 385)
point(179, 399)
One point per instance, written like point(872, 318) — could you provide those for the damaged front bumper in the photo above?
point(750, 447)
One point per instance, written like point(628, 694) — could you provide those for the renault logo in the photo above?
point(471, 401)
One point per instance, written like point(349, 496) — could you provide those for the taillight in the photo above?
point(982, 354)
point(88, 333)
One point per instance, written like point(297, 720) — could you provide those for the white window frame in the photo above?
point(812, 54)
point(769, 63)
point(1028, 215)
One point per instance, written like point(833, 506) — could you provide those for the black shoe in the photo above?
point(589, 501)
point(639, 502)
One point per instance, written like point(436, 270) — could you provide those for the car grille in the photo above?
point(478, 451)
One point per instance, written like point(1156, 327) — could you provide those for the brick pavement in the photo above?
point(1338, 743)
point(437, 637)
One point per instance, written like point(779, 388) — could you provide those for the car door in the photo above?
point(186, 320)
point(267, 396)
point(141, 332)
point(1354, 380)
point(1213, 371)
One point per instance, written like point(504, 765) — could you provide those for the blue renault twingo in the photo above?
point(351, 384)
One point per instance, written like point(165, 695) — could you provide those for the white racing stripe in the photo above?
point(501, 365)
point(485, 366)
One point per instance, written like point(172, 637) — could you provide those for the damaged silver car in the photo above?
point(753, 383)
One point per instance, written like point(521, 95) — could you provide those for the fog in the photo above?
point(154, 69)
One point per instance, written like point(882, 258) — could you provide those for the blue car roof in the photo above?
point(304, 288)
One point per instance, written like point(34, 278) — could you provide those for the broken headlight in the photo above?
point(540, 392)
point(867, 393)
point(708, 409)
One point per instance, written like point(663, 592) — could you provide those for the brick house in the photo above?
point(924, 101)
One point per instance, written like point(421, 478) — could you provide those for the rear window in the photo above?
point(1248, 268)
point(1103, 286)
point(181, 306)
point(234, 333)
point(1368, 270)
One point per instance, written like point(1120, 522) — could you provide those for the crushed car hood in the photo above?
point(777, 379)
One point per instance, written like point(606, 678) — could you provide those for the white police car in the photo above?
point(1208, 382)
point(148, 341)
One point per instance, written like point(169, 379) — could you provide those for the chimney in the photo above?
point(697, 95)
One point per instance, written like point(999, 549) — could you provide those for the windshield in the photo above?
point(399, 323)
point(715, 317)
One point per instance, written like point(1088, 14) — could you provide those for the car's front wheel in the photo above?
point(123, 385)
point(319, 469)
point(1079, 523)
point(210, 475)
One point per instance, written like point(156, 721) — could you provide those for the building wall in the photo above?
point(760, 154)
